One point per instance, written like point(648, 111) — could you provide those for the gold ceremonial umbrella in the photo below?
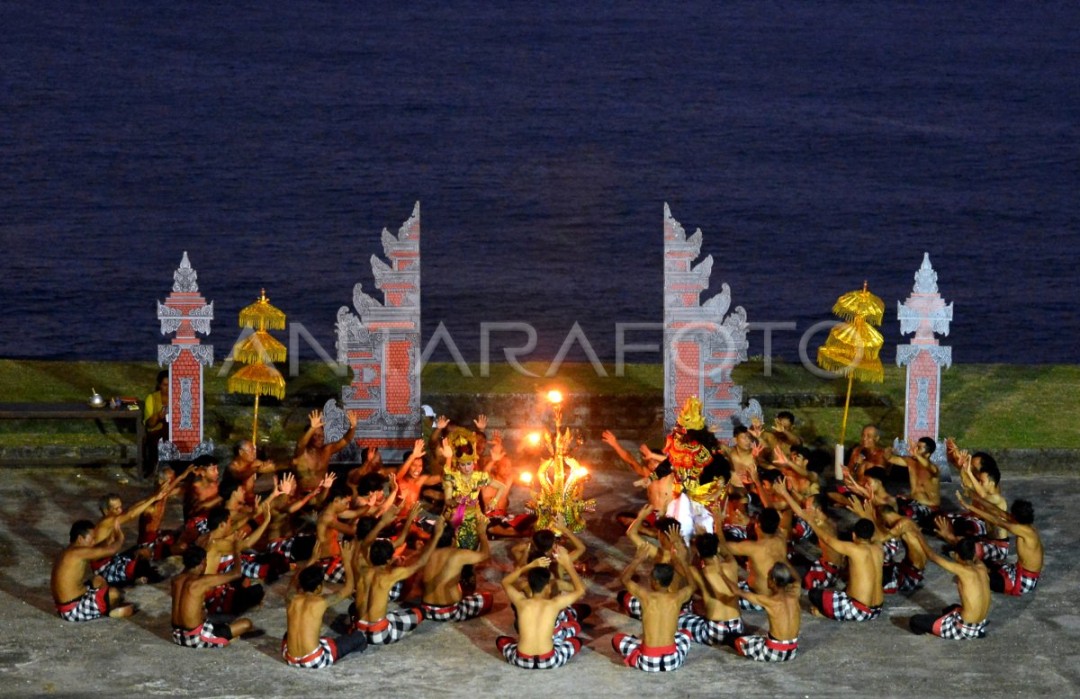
point(861, 303)
point(852, 348)
point(258, 351)
point(258, 380)
point(259, 346)
point(261, 315)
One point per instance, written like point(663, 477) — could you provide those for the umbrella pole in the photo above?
point(839, 463)
point(847, 404)
point(255, 421)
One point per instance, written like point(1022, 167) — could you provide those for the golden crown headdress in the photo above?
point(464, 445)
point(691, 417)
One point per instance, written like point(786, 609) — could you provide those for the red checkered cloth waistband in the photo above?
point(437, 609)
point(658, 651)
point(319, 650)
point(537, 658)
point(373, 626)
point(68, 606)
point(777, 644)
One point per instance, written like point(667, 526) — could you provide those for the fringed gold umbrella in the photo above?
point(852, 348)
point(860, 304)
point(261, 315)
point(259, 351)
point(259, 346)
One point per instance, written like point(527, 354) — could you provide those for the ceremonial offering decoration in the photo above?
point(560, 480)
point(852, 348)
point(259, 350)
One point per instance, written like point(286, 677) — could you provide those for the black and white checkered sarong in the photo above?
point(745, 604)
point(203, 636)
point(94, 604)
point(800, 529)
point(117, 569)
point(468, 608)
point(707, 631)
point(1017, 580)
point(391, 628)
point(892, 550)
point(562, 650)
point(821, 574)
point(333, 569)
point(915, 510)
point(952, 627)
point(909, 578)
point(838, 605)
point(249, 566)
point(734, 532)
point(992, 550)
point(324, 655)
point(665, 659)
point(766, 648)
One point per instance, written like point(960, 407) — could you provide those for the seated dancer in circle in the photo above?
point(545, 643)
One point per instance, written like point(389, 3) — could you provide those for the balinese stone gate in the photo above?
point(702, 341)
point(924, 313)
point(185, 312)
point(382, 346)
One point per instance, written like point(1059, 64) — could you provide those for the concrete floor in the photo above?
point(1033, 646)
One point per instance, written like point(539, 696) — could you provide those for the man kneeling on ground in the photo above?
point(302, 645)
point(539, 648)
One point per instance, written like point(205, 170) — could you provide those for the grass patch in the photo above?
point(992, 406)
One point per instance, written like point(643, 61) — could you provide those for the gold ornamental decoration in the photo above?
point(853, 347)
point(258, 351)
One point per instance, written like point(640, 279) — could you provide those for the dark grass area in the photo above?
point(993, 405)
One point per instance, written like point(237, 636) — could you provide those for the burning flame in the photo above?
point(534, 438)
point(526, 477)
point(555, 396)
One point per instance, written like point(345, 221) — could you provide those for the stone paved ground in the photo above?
point(1033, 645)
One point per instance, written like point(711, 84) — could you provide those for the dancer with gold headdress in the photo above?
point(462, 483)
point(701, 472)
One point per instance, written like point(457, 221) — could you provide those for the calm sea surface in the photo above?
point(815, 144)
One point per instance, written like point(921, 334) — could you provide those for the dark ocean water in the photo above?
point(816, 145)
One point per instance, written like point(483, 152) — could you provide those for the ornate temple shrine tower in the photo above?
point(185, 313)
point(924, 313)
point(382, 346)
point(702, 342)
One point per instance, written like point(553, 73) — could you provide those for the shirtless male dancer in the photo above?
point(312, 457)
point(663, 646)
point(443, 599)
point(781, 606)
point(189, 590)
point(657, 478)
point(126, 567)
point(373, 592)
point(305, 608)
point(924, 480)
point(75, 599)
point(869, 453)
point(863, 598)
point(721, 620)
point(1022, 577)
point(763, 553)
point(966, 620)
point(543, 643)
